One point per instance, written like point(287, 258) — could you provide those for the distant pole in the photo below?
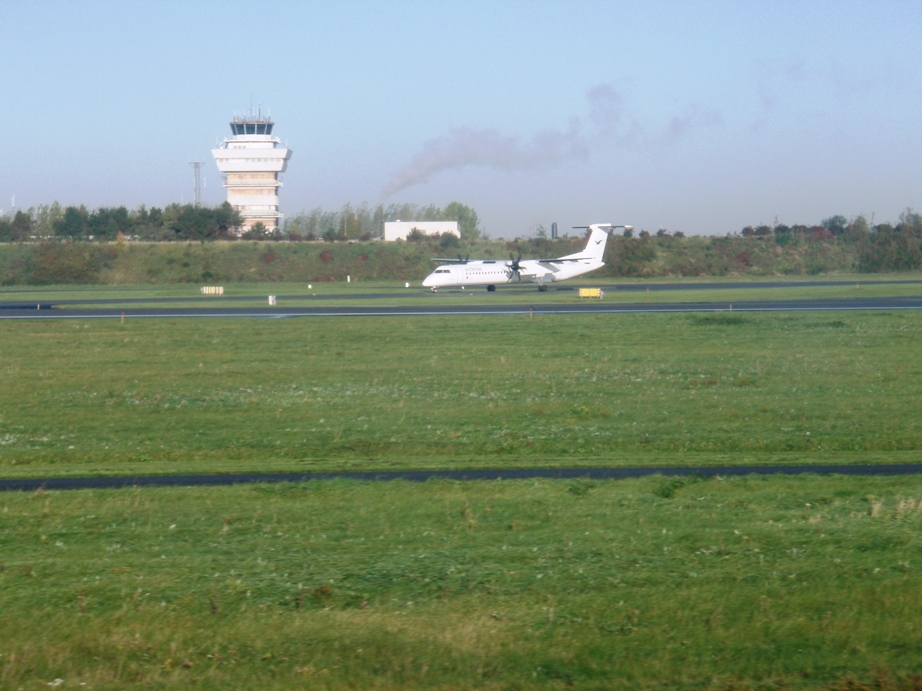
point(197, 165)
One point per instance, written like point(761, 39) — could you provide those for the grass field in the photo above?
point(759, 583)
point(746, 583)
point(166, 396)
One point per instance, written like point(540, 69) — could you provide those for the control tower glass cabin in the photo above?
point(251, 161)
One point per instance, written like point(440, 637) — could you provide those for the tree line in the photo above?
point(881, 247)
point(365, 222)
point(835, 244)
point(174, 222)
point(186, 222)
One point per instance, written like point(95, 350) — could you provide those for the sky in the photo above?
point(701, 116)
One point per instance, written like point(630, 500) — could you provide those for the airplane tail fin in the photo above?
point(595, 247)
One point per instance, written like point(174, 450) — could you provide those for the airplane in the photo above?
point(491, 272)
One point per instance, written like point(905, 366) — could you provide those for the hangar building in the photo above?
point(398, 230)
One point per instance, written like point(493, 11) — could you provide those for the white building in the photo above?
point(251, 160)
point(398, 230)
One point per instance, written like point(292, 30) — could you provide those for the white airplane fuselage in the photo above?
point(490, 272)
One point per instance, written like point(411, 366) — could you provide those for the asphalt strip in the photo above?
point(33, 484)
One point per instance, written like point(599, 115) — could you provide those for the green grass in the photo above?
point(176, 396)
point(746, 583)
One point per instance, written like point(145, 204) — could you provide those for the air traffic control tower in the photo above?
point(251, 161)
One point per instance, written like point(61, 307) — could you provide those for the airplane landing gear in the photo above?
point(542, 288)
point(491, 289)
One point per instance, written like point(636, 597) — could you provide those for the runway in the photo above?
point(50, 310)
point(34, 484)
point(568, 287)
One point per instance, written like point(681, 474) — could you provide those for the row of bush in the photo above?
point(835, 246)
point(129, 262)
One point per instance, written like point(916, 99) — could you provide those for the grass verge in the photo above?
point(781, 583)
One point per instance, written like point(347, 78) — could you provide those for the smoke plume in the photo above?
point(607, 124)
point(488, 148)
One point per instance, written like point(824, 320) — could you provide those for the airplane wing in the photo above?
point(446, 260)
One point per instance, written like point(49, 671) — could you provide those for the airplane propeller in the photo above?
point(515, 268)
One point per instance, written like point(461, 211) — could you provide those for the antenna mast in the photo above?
point(197, 165)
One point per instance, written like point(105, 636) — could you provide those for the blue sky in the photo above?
point(697, 116)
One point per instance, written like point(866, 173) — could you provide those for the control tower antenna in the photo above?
point(197, 165)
